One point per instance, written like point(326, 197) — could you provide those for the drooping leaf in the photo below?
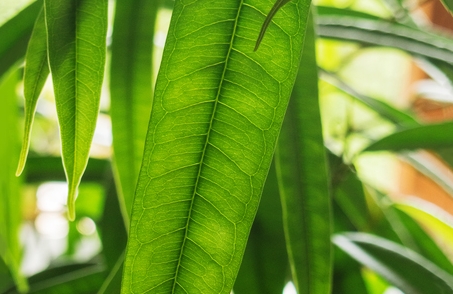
point(217, 111)
point(131, 90)
point(76, 33)
point(426, 136)
point(10, 196)
point(265, 267)
point(36, 72)
point(402, 267)
point(278, 4)
point(15, 34)
point(303, 180)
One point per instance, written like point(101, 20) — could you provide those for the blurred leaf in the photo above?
point(6, 280)
point(131, 90)
point(69, 279)
point(217, 112)
point(448, 5)
point(427, 247)
point(112, 284)
point(427, 136)
point(76, 32)
point(10, 196)
point(429, 44)
point(36, 72)
point(303, 180)
point(15, 34)
point(404, 268)
point(264, 267)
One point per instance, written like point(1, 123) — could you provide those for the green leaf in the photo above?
point(404, 268)
point(427, 136)
point(303, 180)
point(76, 33)
point(415, 41)
point(35, 76)
point(10, 196)
point(278, 4)
point(131, 90)
point(15, 34)
point(265, 268)
point(217, 112)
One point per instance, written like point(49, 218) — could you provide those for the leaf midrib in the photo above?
point(216, 102)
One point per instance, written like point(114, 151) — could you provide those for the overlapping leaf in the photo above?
point(303, 180)
point(217, 111)
point(76, 32)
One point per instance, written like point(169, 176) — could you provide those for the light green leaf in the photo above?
point(35, 76)
point(10, 197)
point(15, 34)
point(402, 267)
point(76, 33)
point(303, 180)
point(217, 112)
point(427, 136)
point(131, 90)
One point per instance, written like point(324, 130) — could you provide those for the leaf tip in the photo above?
point(22, 159)
point(72, 195)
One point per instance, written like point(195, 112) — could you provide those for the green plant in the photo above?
point(193, 151)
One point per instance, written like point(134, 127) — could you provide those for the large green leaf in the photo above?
point(303, 180)
point(217, 112)
point(15, 34)
point(35, 76)
point(10, 197)
point(131, 90)
point(76, 33)
point(401, 266)
point(427, 136)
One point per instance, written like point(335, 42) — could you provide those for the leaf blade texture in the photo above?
point(217, 110)
point(76, 33)
point(35, 76)
point(303, 180)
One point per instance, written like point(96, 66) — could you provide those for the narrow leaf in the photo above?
point(10, 197)
point(278, 4)
point(303, 180)
point(36, 72)
point(15, 34)
point(217, 112)
point(404, 268)
point(427, 136)
point(76, 42)
point(131, 90)
point(448, 5)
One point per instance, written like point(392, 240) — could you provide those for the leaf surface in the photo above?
point(76, 33)
point(131, 90)
point(217, 111)
point(303, 180)
point(404, 268)
point(36, 72)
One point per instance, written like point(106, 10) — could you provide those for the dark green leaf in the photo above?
point(303, 180)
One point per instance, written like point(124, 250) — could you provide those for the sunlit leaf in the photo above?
point(402, 267)
point(76, 42)
point(36, 72)
point(303, 180)
point(10, 197)
point(217, 111)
